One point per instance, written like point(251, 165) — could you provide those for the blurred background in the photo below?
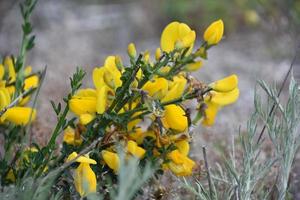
point(260, 41)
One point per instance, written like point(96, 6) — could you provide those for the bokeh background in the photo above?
point(261, 38)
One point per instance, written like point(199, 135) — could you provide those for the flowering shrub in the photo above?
point(137, 111)
point(124, 97)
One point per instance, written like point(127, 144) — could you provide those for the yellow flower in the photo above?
point(135, 122)
point(157, 54)
point(226, 84)
point(89, 101)
point(31, 82)
point(131, 50)
point(156, 88)
point(112, 75)
point(180, 164)
point(86, 118)
point(210, 114)
point(174, 118)
point(27, 70)
point(164, 70)
point(70, 137)
point(102, 99)
point(98, 77)
point(8, 63)
point(19, 115)
point(83, 102)
point(4, 98)
point(176, 89)
point(108, 75)
point(215, 101)
point(224, 99)
point(183, 147)
point(86, 93)
point(10, 176)
point(177, 35)
point(135, 150)
point(193, 66)
point(84, 177)
point(138, 135)
point(2, 71)
point(214, 33)
point(111, 159)
point(146, 56)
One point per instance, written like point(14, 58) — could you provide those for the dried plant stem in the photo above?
point(41, 78)
point(211, 190)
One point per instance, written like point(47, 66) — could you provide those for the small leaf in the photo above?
point(54, 107)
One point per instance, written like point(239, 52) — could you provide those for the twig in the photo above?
point(279, 92)
point(42, 78)
point(208, 173)
point(84, 151)
point(16, 101)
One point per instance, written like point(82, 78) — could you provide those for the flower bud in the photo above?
point(131, 50)
point(147, 56)
point(118, 62)
point(157, 54)
point(213, 34)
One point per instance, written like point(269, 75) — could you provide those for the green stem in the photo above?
point(125, 87)
point(51, 144)
point(56, 131)
point(156, 67)
point(178, 66)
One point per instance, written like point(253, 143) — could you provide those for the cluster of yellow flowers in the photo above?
point(17, 113)
point(167, 125)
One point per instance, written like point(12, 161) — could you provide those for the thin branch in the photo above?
point(211, 191)
point(42, 78)
point(279, 92)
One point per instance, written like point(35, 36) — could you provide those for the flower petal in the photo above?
point(223, 99)
point(174, 118)
point(102, 99)
point(135, 150)
point(214, 33)
point(226, 84)
point(81, 159)
point(111, 159)
point(210, 114)
point(19, 115)
point(83, 105)
point(85, 180)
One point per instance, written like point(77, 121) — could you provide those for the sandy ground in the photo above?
point(69, 36)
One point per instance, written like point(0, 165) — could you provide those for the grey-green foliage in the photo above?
point(131, 178)
point(31, 189)
point(245, 178)
point(283, 129)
